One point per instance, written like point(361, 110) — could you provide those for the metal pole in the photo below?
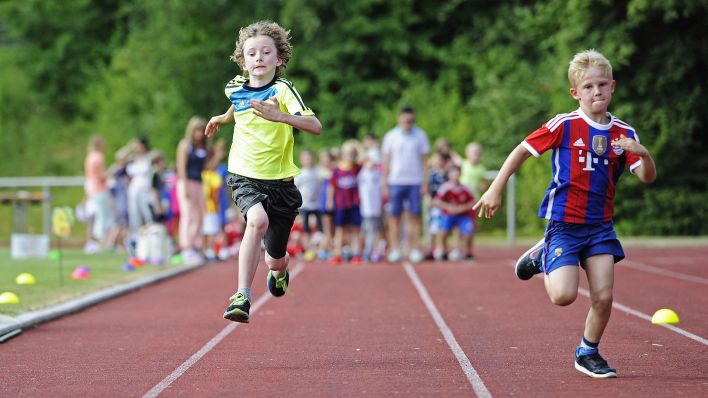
point(47, 210)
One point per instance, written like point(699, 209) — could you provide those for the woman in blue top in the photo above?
point(191, 160)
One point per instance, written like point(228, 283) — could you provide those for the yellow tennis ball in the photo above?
point(25, 279)
point(9, 298)
point(663, 316)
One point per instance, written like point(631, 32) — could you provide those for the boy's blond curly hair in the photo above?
point(583, 61)
point(280, 36)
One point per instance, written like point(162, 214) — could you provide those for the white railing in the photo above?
point(46, 184)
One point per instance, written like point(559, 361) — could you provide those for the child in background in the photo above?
point(265, 108)
point(372, 149)
point(473, 170)
point(437, 176)
point(308, 182)
point(153, 240)
point(159, 203)
point(233, 232)
point(370, 182)
point(456, 201)
point(211, 225)
point(118, 184)
point(590, 148)
point(344, 197)
point(327, 163)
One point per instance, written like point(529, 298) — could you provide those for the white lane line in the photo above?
point(477, 384)
point(661, 271)
point(646, 317)
point(177, 373)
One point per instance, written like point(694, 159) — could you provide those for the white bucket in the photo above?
point(27, 246)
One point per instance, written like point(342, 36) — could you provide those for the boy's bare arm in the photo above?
point(490, 201)
point(270, 110)
point(646, 172)
point(215, 122)
point(463, 208)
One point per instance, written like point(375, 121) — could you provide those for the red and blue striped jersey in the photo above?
point(585, 166)
point(346, 186)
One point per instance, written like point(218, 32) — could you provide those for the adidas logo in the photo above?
point(579, 142)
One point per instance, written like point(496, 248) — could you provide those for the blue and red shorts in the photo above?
point(570, 244)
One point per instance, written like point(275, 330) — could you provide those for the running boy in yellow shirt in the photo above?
point(265, 108)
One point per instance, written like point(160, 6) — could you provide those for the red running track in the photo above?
point(364, 330)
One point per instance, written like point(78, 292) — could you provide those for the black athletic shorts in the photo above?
point(281, 200)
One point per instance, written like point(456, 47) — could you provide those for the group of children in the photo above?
point(590, 148)
point(343, 215)
point(138, 196)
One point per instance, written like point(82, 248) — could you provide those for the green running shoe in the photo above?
point(237, 311)
point(278, 286)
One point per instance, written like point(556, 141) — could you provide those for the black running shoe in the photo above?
point(594, 365)
point(238, 310)
point(529, 264)
point(278, 286)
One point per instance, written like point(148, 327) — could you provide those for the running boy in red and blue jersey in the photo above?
point(590, 148)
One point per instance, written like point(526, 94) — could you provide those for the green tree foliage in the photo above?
point(475, 70)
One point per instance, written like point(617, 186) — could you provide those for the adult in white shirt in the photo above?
point(405, 148)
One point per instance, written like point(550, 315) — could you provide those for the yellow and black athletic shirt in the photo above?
point(263, 149)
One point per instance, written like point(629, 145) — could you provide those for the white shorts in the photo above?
point(211, 224)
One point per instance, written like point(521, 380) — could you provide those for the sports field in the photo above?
point(432, 329)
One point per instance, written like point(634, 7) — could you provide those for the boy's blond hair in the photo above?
point(280, 36)
point(585, 60)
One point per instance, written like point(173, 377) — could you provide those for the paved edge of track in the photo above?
point(472, 376)
point(181, 369)
point(35, 318)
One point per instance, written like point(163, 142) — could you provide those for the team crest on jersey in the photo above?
point(599, 144)
point(558, 252)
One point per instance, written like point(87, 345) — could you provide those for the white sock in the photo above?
point(246, 291)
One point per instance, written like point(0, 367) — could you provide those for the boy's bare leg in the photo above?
point(353, 233)
point(338, 240)
point(413, 232)
point(277, 265)
point(250, 250)
point(562, 285)
point(394, 224)
point(600, 273)
point(440, 237)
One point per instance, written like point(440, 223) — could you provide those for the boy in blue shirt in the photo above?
point(590, 148)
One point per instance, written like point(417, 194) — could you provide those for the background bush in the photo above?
point(475, 70)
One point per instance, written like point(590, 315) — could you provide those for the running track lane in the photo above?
point(522, 345)
point(342, 331)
